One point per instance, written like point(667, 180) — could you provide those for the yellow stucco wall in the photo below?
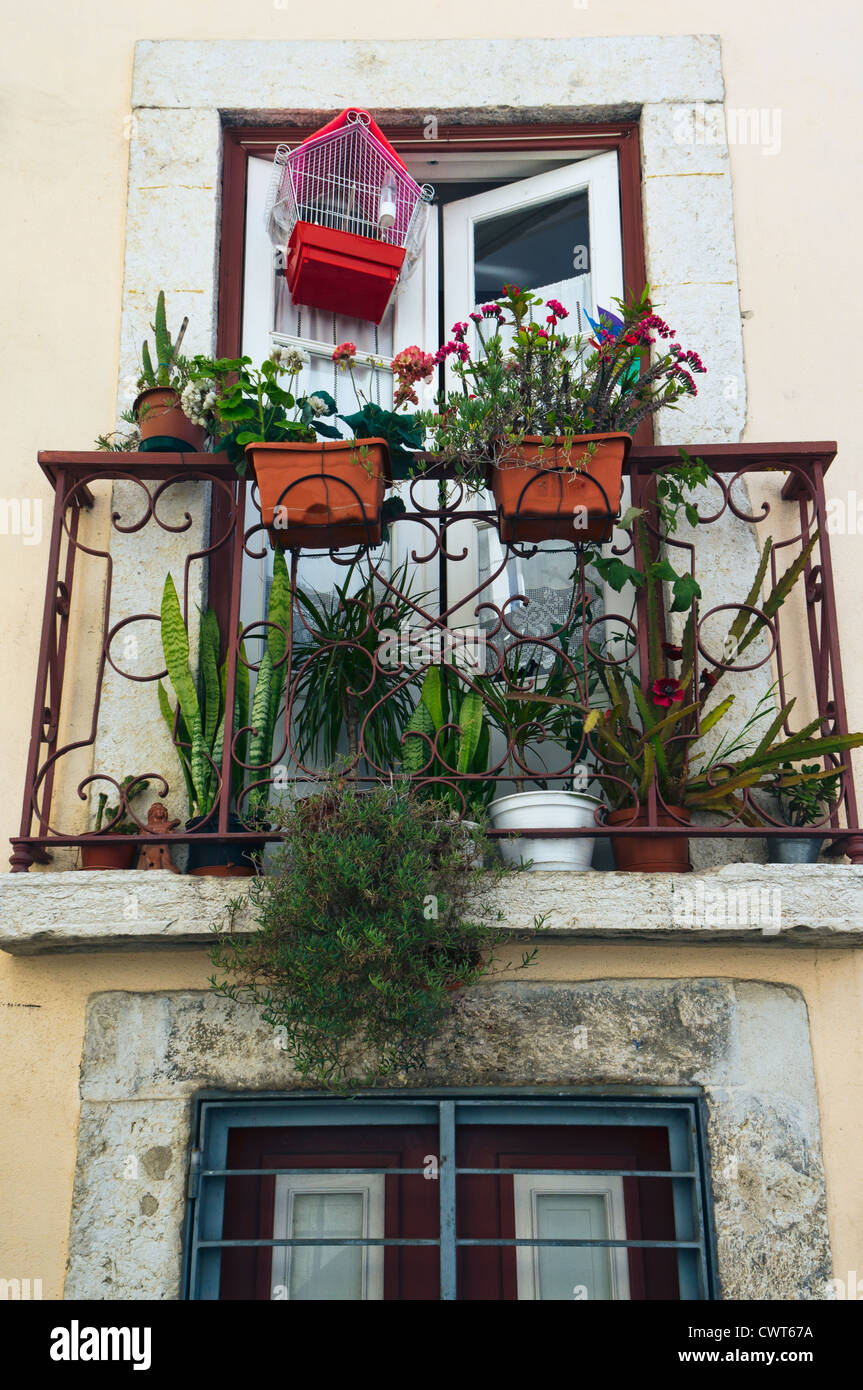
point(66, 75)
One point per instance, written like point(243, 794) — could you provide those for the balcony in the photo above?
point(533, 630)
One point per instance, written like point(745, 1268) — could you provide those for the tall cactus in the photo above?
point(166, 350)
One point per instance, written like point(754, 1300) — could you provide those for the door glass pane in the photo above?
point(323, 1271)
point(541, 244)
point(561, 1269)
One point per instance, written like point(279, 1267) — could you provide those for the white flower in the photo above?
point(318, 406)
point(290, 359)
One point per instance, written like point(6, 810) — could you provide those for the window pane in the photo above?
point(561, 1269)
point(323, 1271)
point(532, 246)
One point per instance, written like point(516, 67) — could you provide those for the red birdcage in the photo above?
point(350, 215)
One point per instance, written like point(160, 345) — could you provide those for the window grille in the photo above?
point(680, 1113)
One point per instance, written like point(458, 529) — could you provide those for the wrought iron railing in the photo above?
point(523, 625)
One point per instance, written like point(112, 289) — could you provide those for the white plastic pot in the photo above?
point(526, 811)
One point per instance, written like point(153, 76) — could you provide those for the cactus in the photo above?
point(167, 352)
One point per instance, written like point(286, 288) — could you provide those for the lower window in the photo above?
point(449, 1197)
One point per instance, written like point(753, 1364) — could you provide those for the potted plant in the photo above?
point(447, 739)
point(312, 491)
point(369, 916)
point(546, 424)
point(111, 851)
point(169, 417)
point(649, 736)
point(530, 706)
point(343, 687)
point(803, 798)
point(197, 726)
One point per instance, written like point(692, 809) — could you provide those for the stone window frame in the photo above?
point(745, 1044)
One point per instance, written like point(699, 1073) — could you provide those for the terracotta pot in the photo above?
point(158, 413)
point(559, 493)
point(653, 853)
point(322, 495)
point(113, 853)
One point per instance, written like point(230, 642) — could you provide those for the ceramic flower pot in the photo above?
point(526, 811)
point(559, 492)
point(323, 495)
point(653, 852)
point(160, 416)
point(795, 849)
point(112, 852)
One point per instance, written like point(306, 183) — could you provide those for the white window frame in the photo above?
point(372, 1191)
point(526, 1187)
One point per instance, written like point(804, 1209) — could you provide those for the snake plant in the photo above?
point(446, 735)
point(270, 684)
point(197, 724)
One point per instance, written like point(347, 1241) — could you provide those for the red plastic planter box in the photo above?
point(341, 271)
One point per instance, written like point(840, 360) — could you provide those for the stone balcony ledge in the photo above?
point(771, 904)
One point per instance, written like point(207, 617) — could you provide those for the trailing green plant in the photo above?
point(112, 816)
point(197, 723)
point(447, 737)
point(343, 684)
point(373, 911)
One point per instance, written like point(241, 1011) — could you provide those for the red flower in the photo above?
point(708, 679)
point(666, 691)
point(344, 354)
point(673, 653)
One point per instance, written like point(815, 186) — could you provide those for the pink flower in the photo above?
point(557, 308)
point(345, 355)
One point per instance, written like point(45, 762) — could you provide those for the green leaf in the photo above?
point(175, 645)
point(259, 719)
point(416, 751)
point(470, 718)
point(280, 612)
point(617, 574)
point(685, 589)
point(432, 696)
point(209, 656)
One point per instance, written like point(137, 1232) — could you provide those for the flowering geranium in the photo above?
point(345, 356)
point(198, 401)
point(410, 366)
